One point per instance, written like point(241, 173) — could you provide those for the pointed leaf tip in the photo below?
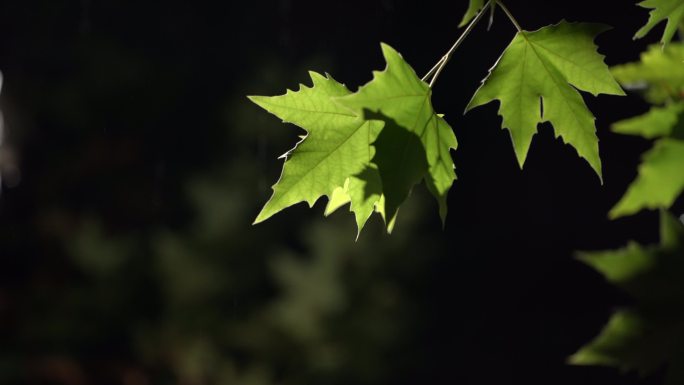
point(262, 216)
point(389, 53)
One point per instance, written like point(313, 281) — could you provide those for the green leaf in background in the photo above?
point(534, 79)
point(670, 10)
point(650, 335)
point(337, 147)
point(658, 122)
point(659, 73)
point(660, 180)
point(473, 8)
point(415, 142)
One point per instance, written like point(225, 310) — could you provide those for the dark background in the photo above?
point(133, 165)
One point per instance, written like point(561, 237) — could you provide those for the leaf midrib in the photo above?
point(347, 114)
point(426, 98)
point(555, 81)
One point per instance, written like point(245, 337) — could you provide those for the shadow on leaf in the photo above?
point(401, 161)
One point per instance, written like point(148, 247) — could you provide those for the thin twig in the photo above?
point(433, 69)
point(510, 16)
point(445, 59)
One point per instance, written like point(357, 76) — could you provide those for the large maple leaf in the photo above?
point(337, 148)
point(415, 143)
point(534, 79)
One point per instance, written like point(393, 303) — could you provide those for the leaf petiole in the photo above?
point(433, 69)
point(510, 16)
point(437, 69)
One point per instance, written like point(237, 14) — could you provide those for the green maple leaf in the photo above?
point(660, 180)
point(336, 149)
point(659, 73)
point(415, 143)
point(672, 10)
point(658, 122)
point(473, 8)
point(650, 335)
point(534, 79)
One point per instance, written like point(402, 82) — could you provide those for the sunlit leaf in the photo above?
point(534, 79)
point(337, 146)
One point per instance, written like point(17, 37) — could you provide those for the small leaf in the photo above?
point(415, 143)
point(473, 8)
point(660, 180)
point(670, 10)
point(658, 122)
point(533, 81)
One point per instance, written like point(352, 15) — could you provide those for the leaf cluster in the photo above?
point(648, 336)
point(370, 147)
point(367, 148)
point(660, 77)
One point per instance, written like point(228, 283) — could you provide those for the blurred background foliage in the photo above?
point(133, 165)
